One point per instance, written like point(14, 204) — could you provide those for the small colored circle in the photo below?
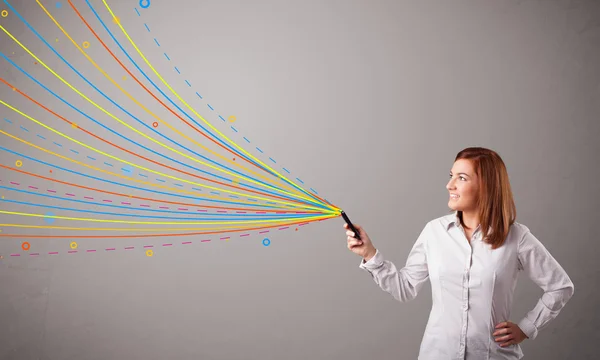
point(232, 118)
point(19, 163)
point(124, 77)
point(4, 13)
point(145, 3)
point(58, 5)
point(155, 124)
point(73, 245)
point(266, 242)
point(296, 229)
point(149, 252)
point(86, 44)
point(56, 39)
point(49, 217)
point(74, 126)
point(233, 159)
point(116, 20)
point(26, 246)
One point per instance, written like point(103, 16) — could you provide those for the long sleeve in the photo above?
point(547, 273)
point(405, 284)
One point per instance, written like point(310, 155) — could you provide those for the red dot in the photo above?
point(155, 124)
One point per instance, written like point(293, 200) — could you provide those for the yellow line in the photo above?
point(129, 163)
point(168, 125)
point(194, 111)
point(284, 220)
point(137, 166)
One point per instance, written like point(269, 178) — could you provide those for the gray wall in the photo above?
point(368, 102)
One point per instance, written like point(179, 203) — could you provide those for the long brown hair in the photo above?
point(497, 211)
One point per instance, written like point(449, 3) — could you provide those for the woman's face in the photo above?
point(463, 186)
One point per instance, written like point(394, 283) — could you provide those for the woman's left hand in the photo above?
point(509, 334)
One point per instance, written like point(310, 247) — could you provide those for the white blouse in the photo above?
point(472, 287)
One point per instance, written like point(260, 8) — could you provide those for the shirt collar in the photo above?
point(454, 220)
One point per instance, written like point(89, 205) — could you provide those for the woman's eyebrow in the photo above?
point(460, 173)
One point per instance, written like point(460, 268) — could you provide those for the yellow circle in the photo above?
point(232, 118)
point(149, 252)
point(73, 245)
point(4, 13)
point(19, 163)
point(86, 44)
point(124, 77)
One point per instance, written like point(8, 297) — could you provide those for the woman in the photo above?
point(472, 258)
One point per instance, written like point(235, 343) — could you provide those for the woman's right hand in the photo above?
point(363, 247)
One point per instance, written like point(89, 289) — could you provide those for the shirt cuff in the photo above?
point(528, 328)
point(373, 263)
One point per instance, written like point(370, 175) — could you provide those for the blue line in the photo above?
point(108, 164)
point(314, 191)
point(75, 151)
point(5, 119)
point(259, 150)
point(187, 82)
point(247, 217)
point(300, 180)
point(146, 176)
point(221, 118)
point(287, 170)
point(234, 129)
point(91, 158)
point(274, 162)
point(210, 107)
point(247, 140)
point(177, 70)
point(167, 56)
point(156, 41)
point(41, 137)
point(24, 128)
point(147, 28)
point(120, 135)
point(57, 143)
point(160, 180)
point(136, 10)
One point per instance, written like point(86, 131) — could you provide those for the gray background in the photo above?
point(367, 102)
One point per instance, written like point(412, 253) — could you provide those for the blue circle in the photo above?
point(58, 5)
point(49, 220)
point(266, 242)
point(147, 2)
point(127, 170)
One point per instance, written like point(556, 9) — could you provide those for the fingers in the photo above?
point(508, 343)
point(504, 338)
point(502, 331)
point(353, 242)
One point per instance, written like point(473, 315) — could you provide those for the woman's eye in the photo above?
point(462, 178)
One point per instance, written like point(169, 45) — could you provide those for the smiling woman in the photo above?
point(472, 258)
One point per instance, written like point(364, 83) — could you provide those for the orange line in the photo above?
point(143, 157)
point(152, 235)
point(150, 199)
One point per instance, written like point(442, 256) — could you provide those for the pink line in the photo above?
point(202, 210)
point(167, 244)
point(225, 238)
point(148, 246)
point(53, 253)
point(186, 242)
point(88, 197)
point(14, 183)
point(69, 194)
point(221, 211)
point(91, 250)
point(144, 205)
point(129, 248)
point(106, 200)
point(15, 254)
point(72, 251)
point(262, 232)
point(52, 191)
point(125, 203)
point(283, 228)
point(182, 209)
point(33, 187)
point(204, 240)
point(162, 207)
point(34, 254)
point(244, 235)
point(109, 249)
point(240, 212)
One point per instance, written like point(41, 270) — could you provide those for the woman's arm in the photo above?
point(545, 271)
point(404, 284)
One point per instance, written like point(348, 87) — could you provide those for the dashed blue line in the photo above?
point(234, 129)
point(160, 180)
point(233, 196)
point(274, 162)
point(262, 152)
point(57, 144)
point(221, 118)
point(196, 189)
point(156, 41)
point(8, 121)
point(146, 176)
point(108, 164)
point(178, 185)
point(136, 10)
point(315, 191)
point(91, 158)
point(176, 69)
point(210, 107)
point(75, 151)
point(41, 137)
point(200, 96)
point(247, 140)
point(300, 180)
point(214, 192)
point(147, 28)
point(167, 56)
point(187, 82)
point(24, 128)
point(286, 170)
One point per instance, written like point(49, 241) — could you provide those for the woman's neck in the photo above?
point(470, 220)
